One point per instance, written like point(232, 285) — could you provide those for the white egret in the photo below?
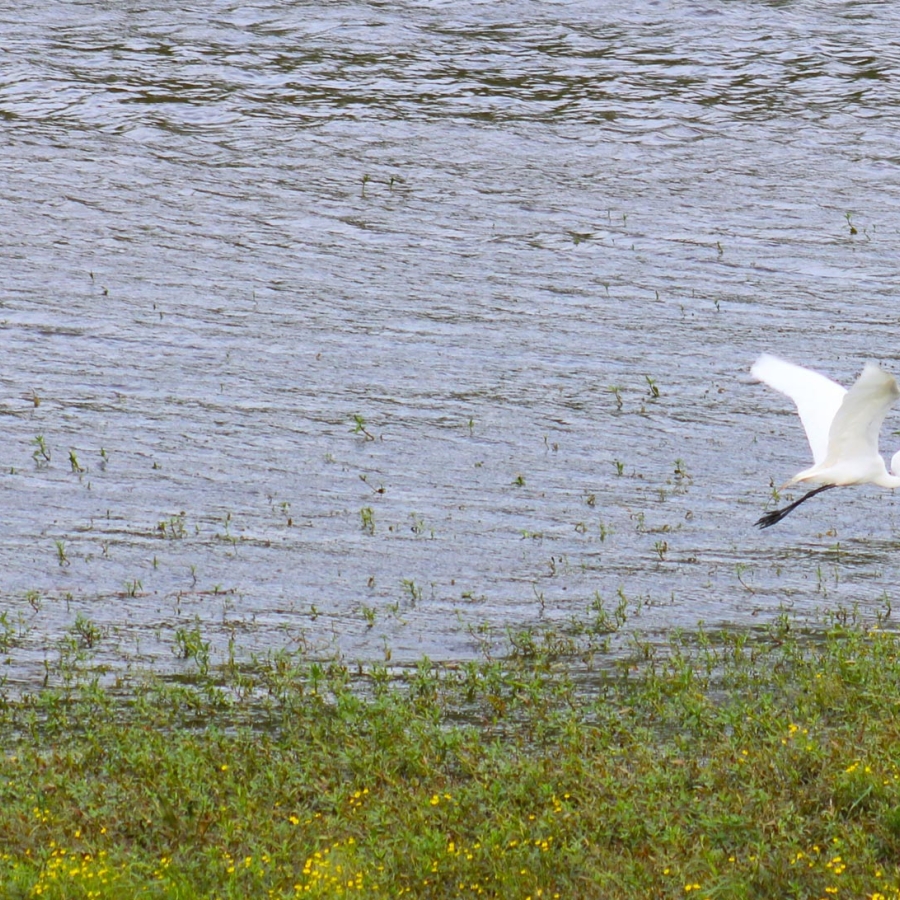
point(841, 426)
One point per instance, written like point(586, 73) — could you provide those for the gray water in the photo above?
point(354, 317)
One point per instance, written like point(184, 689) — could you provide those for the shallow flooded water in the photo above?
point(382, 329)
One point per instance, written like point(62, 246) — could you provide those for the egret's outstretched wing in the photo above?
point(854, 431)
point(816, 397)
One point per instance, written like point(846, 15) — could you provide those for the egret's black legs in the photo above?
point(776, 515)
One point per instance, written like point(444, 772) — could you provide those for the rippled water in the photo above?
point(354, 316)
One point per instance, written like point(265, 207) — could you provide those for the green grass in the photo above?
point(732, 765)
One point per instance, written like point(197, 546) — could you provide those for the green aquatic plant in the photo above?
point(87, 632)
point(174, 528)
point(412, 589)
point(189, 644)
point(359, 427)
point(77, 468)
point(62, 557)
point(616, 391)
point(367, 519)
point(41, 454)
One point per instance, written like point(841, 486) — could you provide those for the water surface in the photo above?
point(380, 329)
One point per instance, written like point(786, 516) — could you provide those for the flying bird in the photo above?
point(841, 426)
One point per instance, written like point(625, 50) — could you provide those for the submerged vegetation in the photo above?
point(726, 765)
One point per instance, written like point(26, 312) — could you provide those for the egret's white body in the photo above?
point(841, 426)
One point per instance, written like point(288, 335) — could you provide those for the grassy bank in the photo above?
point(729, 766)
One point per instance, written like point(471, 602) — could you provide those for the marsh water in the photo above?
point(381, 329)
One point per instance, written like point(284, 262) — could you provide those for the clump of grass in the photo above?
point(733, 765)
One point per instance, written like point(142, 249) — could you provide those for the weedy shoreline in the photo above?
point(731, 765)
